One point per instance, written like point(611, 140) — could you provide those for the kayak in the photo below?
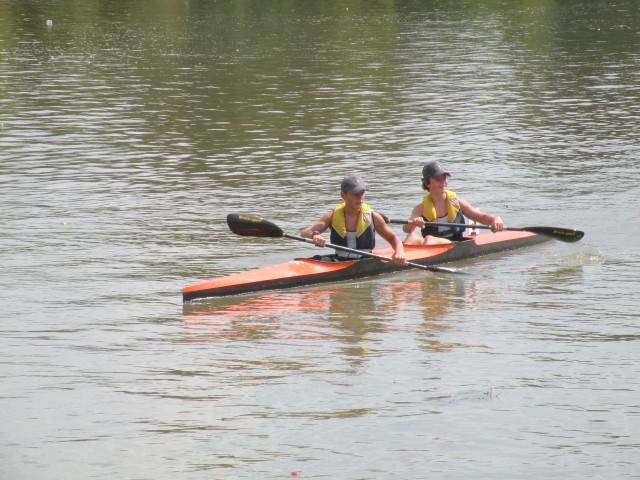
point(309, 271)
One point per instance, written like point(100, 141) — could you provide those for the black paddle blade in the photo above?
point(562, 234)
point(251, 226)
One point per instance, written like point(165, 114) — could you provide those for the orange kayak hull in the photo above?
point(308, 271)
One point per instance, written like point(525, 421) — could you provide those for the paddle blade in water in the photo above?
point(251, 226)
point(562, 234)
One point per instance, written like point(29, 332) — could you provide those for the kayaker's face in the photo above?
point(438, 184)
point(354, 199)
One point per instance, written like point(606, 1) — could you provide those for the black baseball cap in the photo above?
point(433, 170)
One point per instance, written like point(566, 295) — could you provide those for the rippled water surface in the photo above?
point(128, 131)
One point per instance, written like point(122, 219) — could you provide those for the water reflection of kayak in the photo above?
point(308, 271)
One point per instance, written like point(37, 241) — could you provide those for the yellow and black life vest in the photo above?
point(365, 231)
point(454, 215)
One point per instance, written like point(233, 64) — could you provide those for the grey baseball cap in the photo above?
point(353, 184)
point(433, 170)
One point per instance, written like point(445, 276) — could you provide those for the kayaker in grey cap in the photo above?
point(354, 224)
point(442, 206)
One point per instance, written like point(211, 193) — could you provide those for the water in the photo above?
point(129, 131)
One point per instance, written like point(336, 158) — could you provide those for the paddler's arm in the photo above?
point(496, 223)
point(416, 220)
point(392, 239)
point(314, 231)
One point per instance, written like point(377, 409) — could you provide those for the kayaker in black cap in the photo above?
point(444, 206)
point(354, 224)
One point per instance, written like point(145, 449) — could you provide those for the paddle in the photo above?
point(567, 235)
point(248, 225)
